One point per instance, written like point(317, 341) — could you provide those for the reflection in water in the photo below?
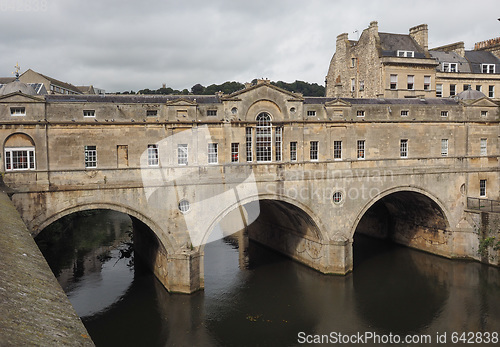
point(271, 299)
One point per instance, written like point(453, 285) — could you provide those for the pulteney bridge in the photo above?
point(300, 175)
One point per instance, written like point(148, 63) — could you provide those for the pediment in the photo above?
point(337, 103)
point(18, 97)
point(263, 89)
point(483, 102)
point(181, 102)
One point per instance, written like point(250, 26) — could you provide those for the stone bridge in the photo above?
point(308, 183)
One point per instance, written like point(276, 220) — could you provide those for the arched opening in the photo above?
point(409, 218)
point(402, 286)
point(280, 226)
point(19, 153)
point(92, 253)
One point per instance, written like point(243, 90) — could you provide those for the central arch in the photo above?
point(408, 216)
point(283, 225)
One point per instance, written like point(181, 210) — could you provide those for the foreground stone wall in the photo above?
point(34, 310)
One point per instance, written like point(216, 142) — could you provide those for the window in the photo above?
point(407, 54)
point(479, 88)
point(311, 113)
point(235, 152)
point(263, 140)
point(361, 149)
point(182, 154)
point(353, 62)
point(353, 84)
point(484, 147)
point(484, 113)
point(427, 82)
point(449, 67)
point(453, 89)
point(467, 87)
point(439, 90)
point(394, 82)
point(184, 206)
point(211, 113)
point(19, 158)
point(411, 80)
point(313, 150)
point(90, 156)
point(444, 113)
point(488, 68)
point(360, 113)
point(405, 113)
point(213, 157)
point(153, 155)
point(293, 151)
point(444, 147)
point(337, 197)
point(337, 150)
point(482, 187)
point(361, 85)
point(89, 113)
point(403, 148)
point(278, 137)
point(17, 111)
point(491, 91)
point(151, 113)
point(248, 143)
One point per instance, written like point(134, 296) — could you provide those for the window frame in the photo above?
point(403, 148)
point(90, 159)
point(311, 113)
point(293, 151)
point(153, 155)
point(14, 111)
point(264, 138)
point(182, 154)
point(444, 147)
point(10, 162)
point(405, 113)
point(213, 153)
point(235, 152)
point(361, 150)
point(337, 149)
point(482, 188)
point(393, 82)
point(490, 68)
point(89, 113)
point(491, 91)
point(314, 150)
point(427, 82)
point(410, 82)
point(483, 147)
point(439, 90)
point(211, 113)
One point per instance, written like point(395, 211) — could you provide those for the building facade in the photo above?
point(387, 65)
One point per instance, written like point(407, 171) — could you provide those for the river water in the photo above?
point(268, 299)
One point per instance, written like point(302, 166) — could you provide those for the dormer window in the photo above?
point(17, 111)
point(488, 68)
point(449, 67)
point(407, 54)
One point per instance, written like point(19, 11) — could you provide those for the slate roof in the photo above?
point(61, 84)
point(476, 58)
point(133, 99)
point(403, 101)
point(450, 57)
point(391, 43)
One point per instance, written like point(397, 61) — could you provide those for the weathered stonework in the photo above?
point(312, 194)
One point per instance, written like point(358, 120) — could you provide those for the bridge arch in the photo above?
point(320, 228)
point(410, 216)
point(155, 228)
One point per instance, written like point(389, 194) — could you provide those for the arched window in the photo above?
point(19, 153)
point(263, 138)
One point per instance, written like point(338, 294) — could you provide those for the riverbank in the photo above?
point(34, 310)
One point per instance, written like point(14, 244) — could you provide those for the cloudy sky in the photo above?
point(123, 45)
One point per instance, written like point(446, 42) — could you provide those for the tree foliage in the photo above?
point(307, 89)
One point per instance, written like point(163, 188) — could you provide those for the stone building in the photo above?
point(323, 169)
point(387, 65)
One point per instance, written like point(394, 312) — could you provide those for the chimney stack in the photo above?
point(420, 34)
